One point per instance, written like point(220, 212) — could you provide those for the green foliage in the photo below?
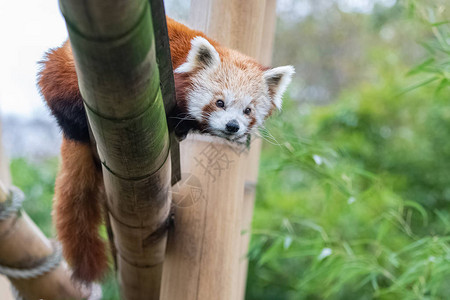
point(436, 65)
point(353, 197)
point(364, 180)
point(37, 181)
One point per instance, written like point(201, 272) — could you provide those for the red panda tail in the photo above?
point(78, 211)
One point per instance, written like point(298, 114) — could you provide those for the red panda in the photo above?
point(219, 91)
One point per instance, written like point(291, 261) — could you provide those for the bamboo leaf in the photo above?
point(420, 67)
point(442, 84)
point(418, 208)
point(440, 23)
point(417, 85)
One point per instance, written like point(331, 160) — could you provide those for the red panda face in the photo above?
point(229, 95)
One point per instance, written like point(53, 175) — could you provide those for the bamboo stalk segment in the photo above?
point(115, 57)
point(105, 20)
point(163, 57)
point(205, 255)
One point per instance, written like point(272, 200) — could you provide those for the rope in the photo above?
point(15, 198)
point(48, 264)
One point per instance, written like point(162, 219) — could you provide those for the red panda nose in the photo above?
point(232, 126)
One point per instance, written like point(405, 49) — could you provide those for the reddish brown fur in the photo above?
point(272, 110)
point(209, 108)
point(59, 71)
point(79, 186)
point(182, 83)
point(252, 122)
point(180, 37)
point(78, 211)
point(59, 85)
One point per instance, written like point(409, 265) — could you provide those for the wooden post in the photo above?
point(265, 57)
point(206, 252)
point(114, 49)
point(24, 246)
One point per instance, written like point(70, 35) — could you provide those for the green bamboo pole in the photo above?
point(114, 50)
point(163, 57)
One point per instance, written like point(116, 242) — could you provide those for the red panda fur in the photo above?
point(79, 190)
point(180, 37)
point(80, 196)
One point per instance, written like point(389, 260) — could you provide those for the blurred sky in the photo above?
point(30, 27)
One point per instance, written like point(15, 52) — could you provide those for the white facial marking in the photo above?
point(201, 55)
point(197, 99)
point(277, 80)
point(229, 97)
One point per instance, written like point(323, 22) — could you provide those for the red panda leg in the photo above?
point(77, 212)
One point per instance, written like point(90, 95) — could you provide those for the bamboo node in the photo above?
point(160, 232)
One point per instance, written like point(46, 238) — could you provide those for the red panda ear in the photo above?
point(277, 80)
point(202, 55)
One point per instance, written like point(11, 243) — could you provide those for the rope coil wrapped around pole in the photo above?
point(33, 272)
point(13, 203)
point(12, 206)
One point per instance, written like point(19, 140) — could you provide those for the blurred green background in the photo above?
point(353, 195)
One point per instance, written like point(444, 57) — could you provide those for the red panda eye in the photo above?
point(220, 103)
point(247, 111)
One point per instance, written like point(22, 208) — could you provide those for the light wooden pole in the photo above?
point(24, 246)
point(206, 250)
point(265, 57)
point(114, 50)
